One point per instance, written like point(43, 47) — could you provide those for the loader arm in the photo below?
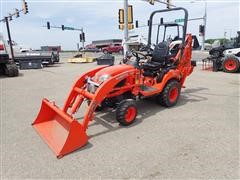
point(78, 84)
point(59, 129)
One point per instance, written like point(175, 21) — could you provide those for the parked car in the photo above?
point(113, 48)
point(90, 48)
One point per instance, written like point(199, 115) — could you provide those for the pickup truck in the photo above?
point(113, 48)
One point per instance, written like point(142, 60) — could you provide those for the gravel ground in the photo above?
point(198, 138)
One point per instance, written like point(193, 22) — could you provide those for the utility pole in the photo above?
point(9, 18)
point(204, 24)
point(9, 39)
point(125, 45)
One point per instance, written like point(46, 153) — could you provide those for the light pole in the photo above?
point(204, 24)
point(9, 39)
point(125, 45)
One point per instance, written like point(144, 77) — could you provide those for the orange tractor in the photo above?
point(155, 73)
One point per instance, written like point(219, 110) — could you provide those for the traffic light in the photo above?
point(48, 25)
point(168, 4)
point(130, 14)
point(121, 26)
point(136, 24)
point(201, 30)
point(63, 27)
point(17, 13)
point(82, 37)
point(121, 16)
point(130, 26)
point(151, 2)
point(25, 7)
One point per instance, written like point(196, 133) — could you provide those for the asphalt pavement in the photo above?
point(198, 138)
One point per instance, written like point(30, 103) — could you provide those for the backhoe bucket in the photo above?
point(60, 131)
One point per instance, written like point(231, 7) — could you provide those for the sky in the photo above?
point(99, 19)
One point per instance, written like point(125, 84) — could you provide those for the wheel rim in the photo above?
point(130, 114)
point(173, 94)
point(230, 65)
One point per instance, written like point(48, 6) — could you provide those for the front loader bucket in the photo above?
point(60, 131)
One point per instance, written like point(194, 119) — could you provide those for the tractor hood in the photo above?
point(111, 71)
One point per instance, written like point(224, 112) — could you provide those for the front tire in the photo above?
point(126, 112)
point(230, 64)
point(170, 94)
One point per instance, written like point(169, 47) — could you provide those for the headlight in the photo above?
point(103, 78)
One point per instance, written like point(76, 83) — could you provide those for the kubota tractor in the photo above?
point(156, 73)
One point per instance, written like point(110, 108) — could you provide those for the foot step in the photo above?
point(147, 88)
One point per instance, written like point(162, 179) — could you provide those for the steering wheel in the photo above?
point(136, 53)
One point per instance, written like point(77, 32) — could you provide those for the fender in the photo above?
point(172, 74)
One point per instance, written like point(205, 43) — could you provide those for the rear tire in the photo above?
point(230, 64)
point(126, 112)
point(170, 94)
point(11, 70)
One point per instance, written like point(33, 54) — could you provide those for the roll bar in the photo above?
point(167, 10)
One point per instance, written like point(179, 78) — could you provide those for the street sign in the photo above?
point(68, 28)
point(179, 20)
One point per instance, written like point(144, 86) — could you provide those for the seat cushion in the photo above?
point(160, 52)
point(152, 65)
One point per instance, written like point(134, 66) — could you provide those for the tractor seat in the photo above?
point(160, 56)
point(152, 66)
point(160, 53)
